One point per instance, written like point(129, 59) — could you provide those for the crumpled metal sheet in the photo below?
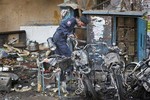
point(80, 57)
point(3, 53)
point(13, 76)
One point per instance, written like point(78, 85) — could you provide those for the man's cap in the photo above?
point(84, 19)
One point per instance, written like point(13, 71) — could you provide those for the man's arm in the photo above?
point(69, 26)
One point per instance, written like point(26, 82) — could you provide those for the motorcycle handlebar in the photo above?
point(92, 44)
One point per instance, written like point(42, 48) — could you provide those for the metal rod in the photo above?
point(43, 83)
point(39, 76)
point(58, 84)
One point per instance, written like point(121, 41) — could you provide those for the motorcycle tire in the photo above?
point(121, 90)
point(146, 95)
point(129, 67)
point(127, 73)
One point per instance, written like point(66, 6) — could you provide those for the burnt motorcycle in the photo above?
point(77, 81)
point(82, 71)
point(107, 75)
point(137, 80)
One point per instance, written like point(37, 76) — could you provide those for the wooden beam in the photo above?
point(79, 8)
point(87, 3)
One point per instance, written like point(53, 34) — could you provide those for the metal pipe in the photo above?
point(43, 83)
point(59, 84)
point(39, 76)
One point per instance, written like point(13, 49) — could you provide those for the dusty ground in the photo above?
point(25, 87)
point(29, 95)
point(28, 79)
point(32, 95)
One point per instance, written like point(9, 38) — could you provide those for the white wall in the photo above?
point(38, 33)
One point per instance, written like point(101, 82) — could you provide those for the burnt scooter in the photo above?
point(82, 71)
point(137, 80)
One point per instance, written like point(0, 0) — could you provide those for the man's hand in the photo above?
point(71, 36)
point(46, 60)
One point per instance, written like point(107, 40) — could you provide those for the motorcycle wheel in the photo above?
point(129, 67)
point(146, 95)
point(121, 90)
point(127, 73)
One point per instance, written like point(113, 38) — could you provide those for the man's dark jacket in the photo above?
point(60, 37)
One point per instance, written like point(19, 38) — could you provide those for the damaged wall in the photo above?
point(99, 29)
point(16, 13)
